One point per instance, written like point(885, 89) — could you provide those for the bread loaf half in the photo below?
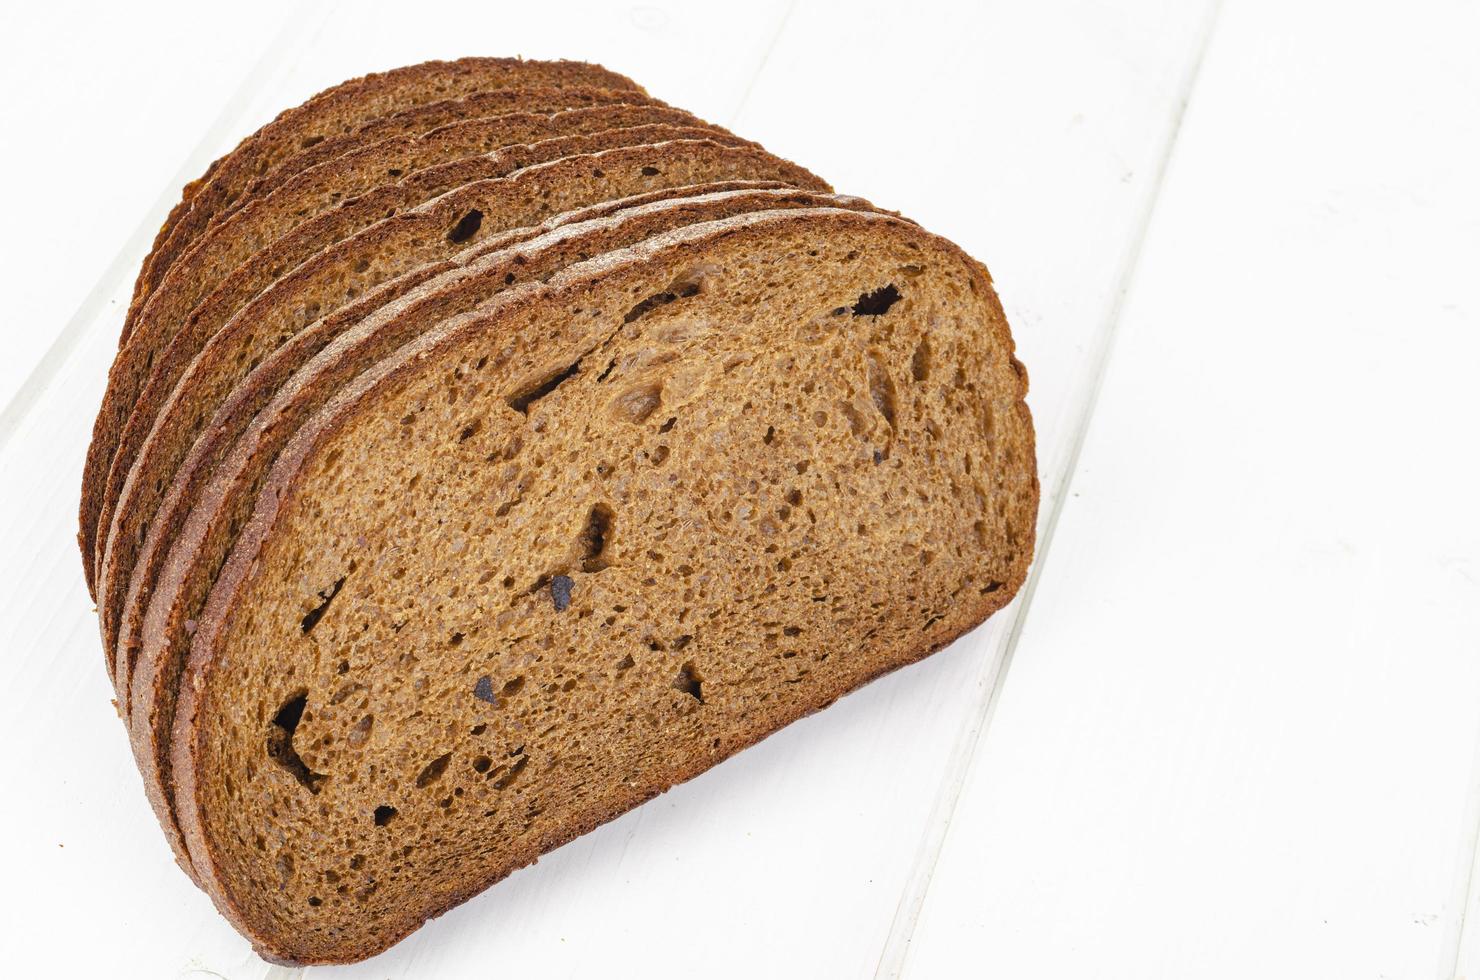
point(560, 552)
point(491, 446)
point(413, 121)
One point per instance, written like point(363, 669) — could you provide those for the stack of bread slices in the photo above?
point(491, 446)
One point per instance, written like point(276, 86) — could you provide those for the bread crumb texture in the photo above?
point(301, 377)
point(592, 543)
point(492, 446)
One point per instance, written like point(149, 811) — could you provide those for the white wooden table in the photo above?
point(1231, 728)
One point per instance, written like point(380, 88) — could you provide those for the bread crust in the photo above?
point(339, 111)
point(421, 119)
point(269, 405)
point(299, 201)
point(309, 247)
point(413, 121)
point(335, 111)
point(672, 249)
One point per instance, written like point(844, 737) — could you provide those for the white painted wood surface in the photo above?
point(103, 122)
point(1232, 728)
point(1239, 734)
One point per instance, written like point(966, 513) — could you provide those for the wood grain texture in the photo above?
point(1239, 734)
point(1238, 737)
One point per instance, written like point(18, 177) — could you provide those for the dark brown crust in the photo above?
point(339, 111)
point(431, 118)
point(359, 339)
point(346, 106)
point(281, 487)
point(406, 122)
point(437, 115)
point(181, 208)
point(299, 200)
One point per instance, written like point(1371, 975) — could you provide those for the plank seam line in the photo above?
point(275, 56)
point(765, 59)
point(995, 670)
point(1467, 884)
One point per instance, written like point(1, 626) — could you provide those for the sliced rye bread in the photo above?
point(182, 307)
point(500, 103)
point(559, 554)
point(341, 110)
point(330, 355)
point(407, 122)
point(436, 115)
point(339, 269)
point(446, 225)
point(313, 192)
point(136, 564)
point(241, 406)
point(338, 116)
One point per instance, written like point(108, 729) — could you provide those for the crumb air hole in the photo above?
point(521, 402)
point(876, 303)
point(433, 771)
point(689, 682)
point(280, 742)
point(595, 536)
point(466, 227)
point(325, 597)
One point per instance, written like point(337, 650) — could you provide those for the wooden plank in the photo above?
point(1030, 133)
point(96, 141)
point(1238, 735)
point(148, 97)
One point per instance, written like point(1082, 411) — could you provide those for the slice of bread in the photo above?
point(185, 305)
point(346, 150)
point(329, 355)
point(338, 111)
point(406, 122)
point(313, 192)
point(237, 411)
point(344, 109)
point(323, 275)
point(558, 554)
point(337, 273)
